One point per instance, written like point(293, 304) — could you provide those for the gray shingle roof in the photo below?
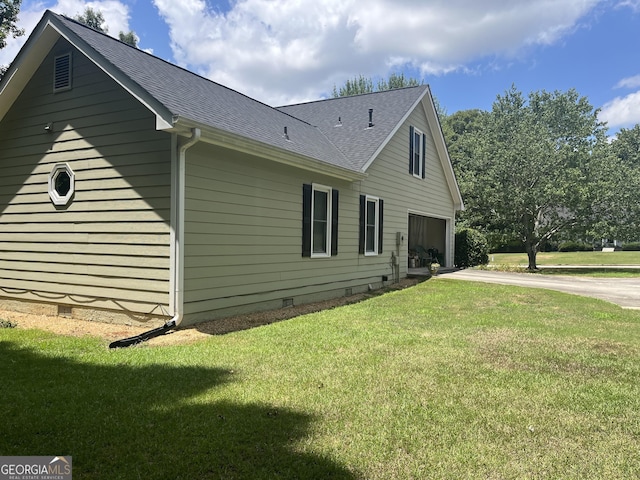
point(345, 120)
point(311, 126)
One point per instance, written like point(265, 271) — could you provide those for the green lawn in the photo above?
point(447, 379)
point(567, 258)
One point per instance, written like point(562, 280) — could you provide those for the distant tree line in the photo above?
point(360, 85)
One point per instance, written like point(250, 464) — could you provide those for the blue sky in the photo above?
point(469, 51)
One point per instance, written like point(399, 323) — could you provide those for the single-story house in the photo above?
point(135, 190)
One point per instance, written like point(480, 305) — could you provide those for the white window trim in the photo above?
point(416, 131)
point(56, 198)
point(328, 190)
point(376, 234)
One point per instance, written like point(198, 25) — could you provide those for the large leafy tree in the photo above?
point(460, 130)
point(617, 195)
point(9, 10)
point(626, 145)
point(534, 164)
point(92, 19)
point(129, 38)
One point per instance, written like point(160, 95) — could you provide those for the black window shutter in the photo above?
point(424, 154)
point(380, 224)
point(411, 130)
point(307, 192)
point(334, 222)
point(363, 215)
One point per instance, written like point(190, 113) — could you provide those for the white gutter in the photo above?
point(178, 156)
point(177, 226)
point(273, 153)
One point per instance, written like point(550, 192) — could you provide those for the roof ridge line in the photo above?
point(352, 96)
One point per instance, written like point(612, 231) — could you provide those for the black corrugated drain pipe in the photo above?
point(178, 226)
point(143, 337)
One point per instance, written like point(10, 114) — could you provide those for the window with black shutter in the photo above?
point(417, 151)
point(371, 234)
point(319, 221)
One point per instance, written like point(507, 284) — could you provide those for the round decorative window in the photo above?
point(61, 184)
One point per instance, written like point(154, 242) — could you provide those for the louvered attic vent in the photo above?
point(62, 73)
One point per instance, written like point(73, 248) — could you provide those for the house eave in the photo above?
point(443, 152)
point(214, 136)
point(24, 65)
point(393, 132)
point(163, 115)
point(39, 45)
point(426, 100)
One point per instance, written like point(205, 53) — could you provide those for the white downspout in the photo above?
point(177, 225)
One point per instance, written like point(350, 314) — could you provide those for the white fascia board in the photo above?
point(393, 132)
point(253, 147)
point(443, 152)
point(28, 60)
point(163, 123)
point(436, 131)
point(38, 46)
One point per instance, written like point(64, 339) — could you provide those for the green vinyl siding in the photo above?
point(243, 236)
point(402, 192)
point(110, 246)
point(243, 226)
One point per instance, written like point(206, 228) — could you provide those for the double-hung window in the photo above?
point(371, 214)
point(319, 221)
point(417, 150)
point(320, 226)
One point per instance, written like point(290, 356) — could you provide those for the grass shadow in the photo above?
point(121, 421)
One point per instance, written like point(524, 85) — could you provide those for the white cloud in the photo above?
point(116, 16)
point(629, 82)
point(282, 51)
point(633, 4)
point(116, 13)
point(268, 49)
point(622, 111)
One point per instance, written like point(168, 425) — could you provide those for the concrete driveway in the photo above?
point(622, 291)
